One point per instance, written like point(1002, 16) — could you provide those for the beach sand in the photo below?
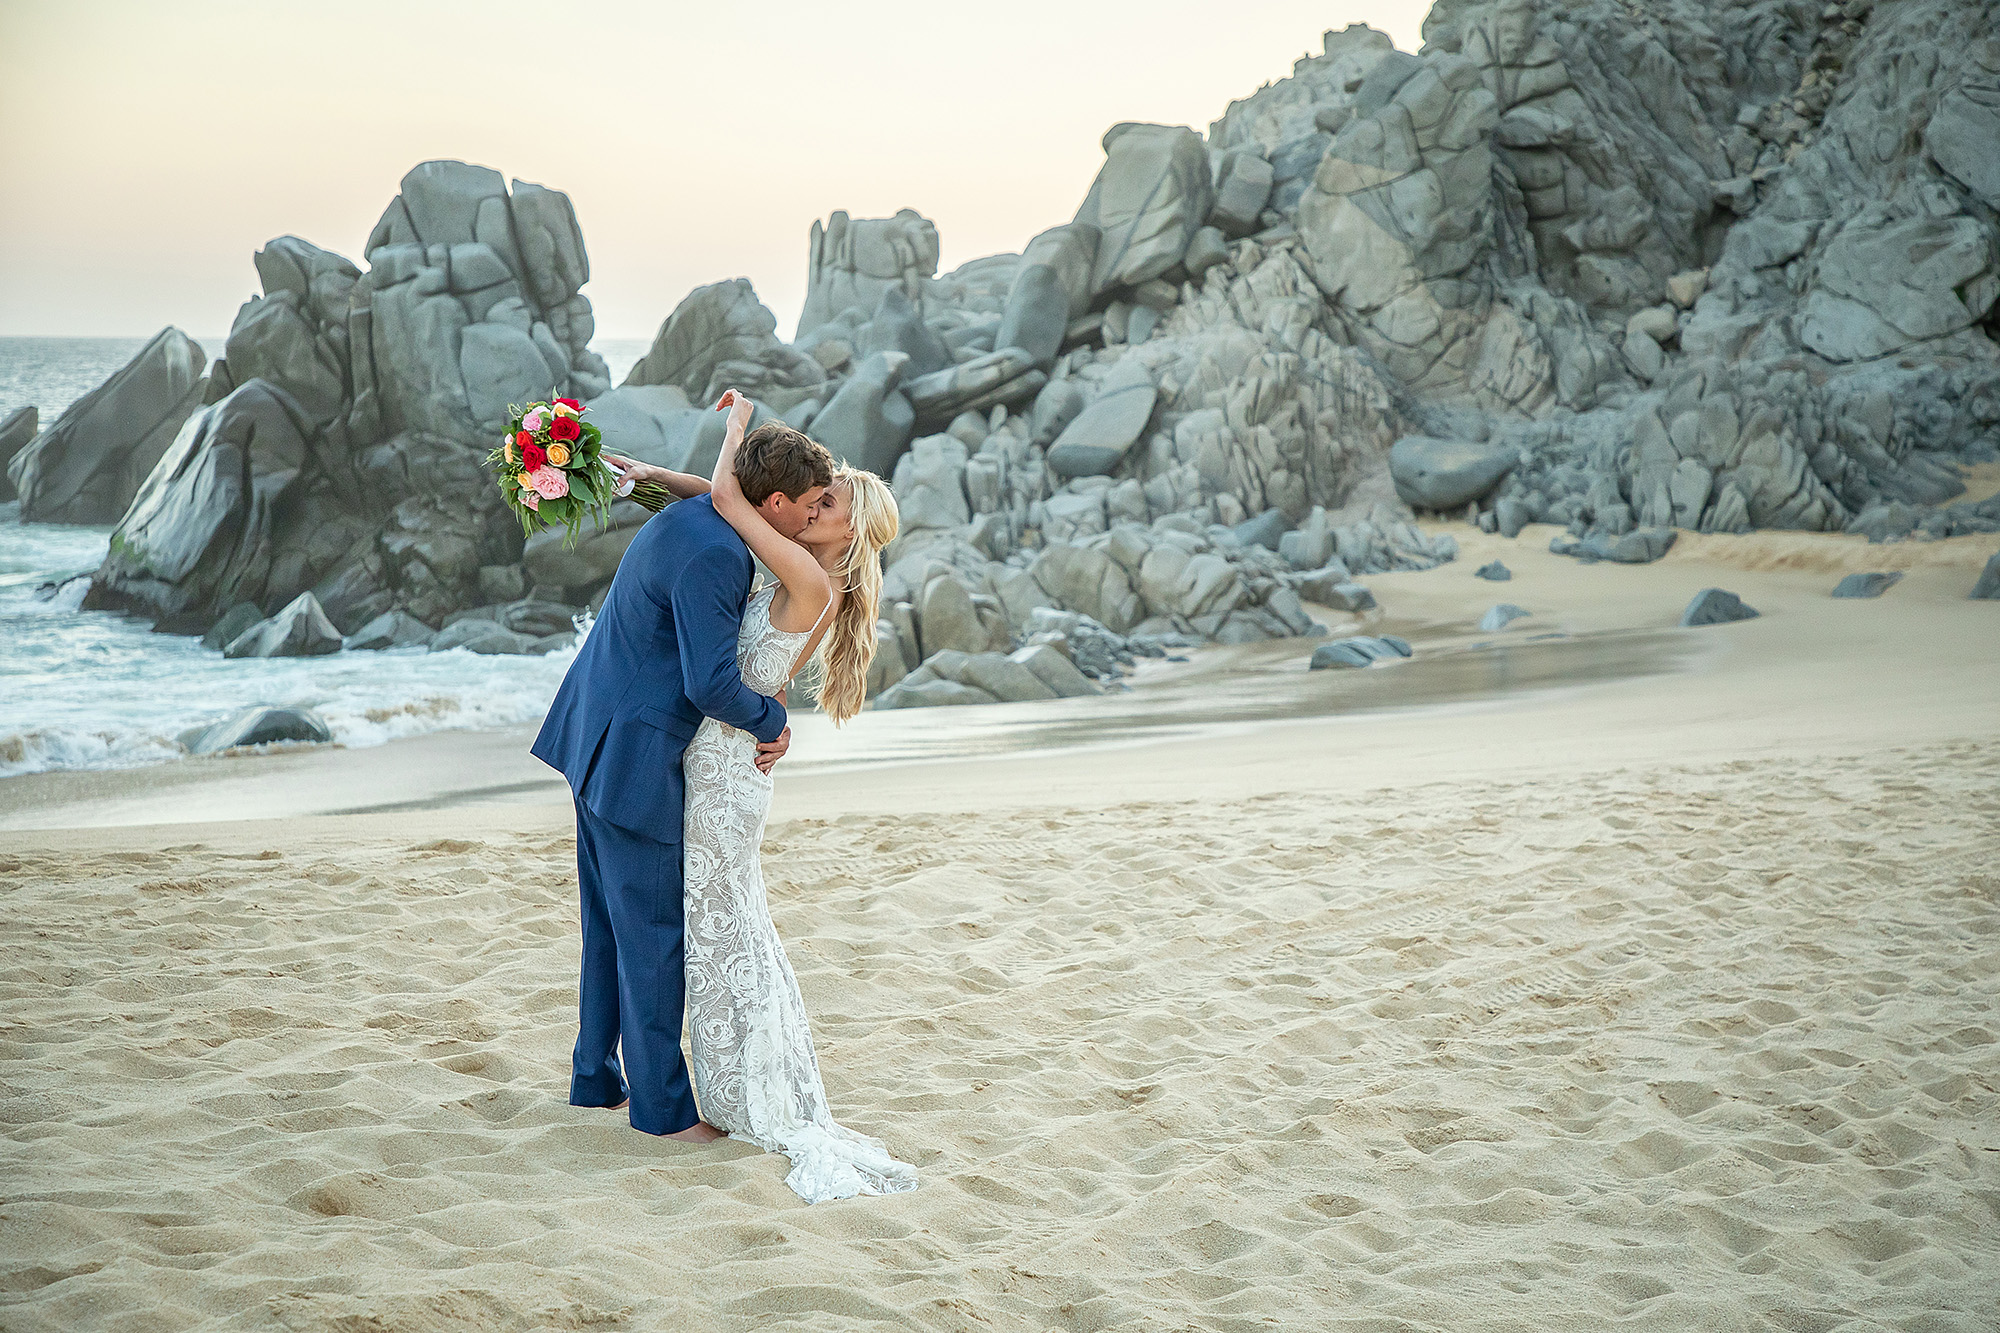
point(1641, 978)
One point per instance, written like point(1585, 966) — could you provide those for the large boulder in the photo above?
point(474, 302)
point(898, 326)
point(1007, 376)
point(301, 629)
point(259, 724)
point(590, 563)
point(391, 629)
point(1150, 197)
point(721, 337)
point(852, 262)
point(210, 527)
point(88, 466)
point(868, 422)
point(930, 484)
point(1097, 440)
point(1883, 284)
point(1446, 474)
point(1051, 288)
point(15, 434)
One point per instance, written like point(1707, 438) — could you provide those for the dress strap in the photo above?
point(822, 615)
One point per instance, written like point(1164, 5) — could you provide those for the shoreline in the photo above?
point(1601, 645)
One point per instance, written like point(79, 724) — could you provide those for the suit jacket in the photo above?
point(660, 657)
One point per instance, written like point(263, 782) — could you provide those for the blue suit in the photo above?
point(660, 657)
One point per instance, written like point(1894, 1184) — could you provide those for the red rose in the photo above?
point(533, 455)
point(569, 402)
point(564, 428)
point(523, 438)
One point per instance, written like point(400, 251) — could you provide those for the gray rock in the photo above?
point(1241, 188)
point(851, 262)
point(721, 337)
point(592, 561)
point(930, 484)
point(1319, 586)
point(1962, 131)
point(1266, 530)
point(483, 636)
point(1358, 651)
point(1493, 571)
point(16, 432)
point(260, 724)
point(391, 629)
point(1098, 438)
point(1208, 248)
point(502, 583)
point(897, 326)
point(234, 621)
point(1714, 606)
point(888, 666)
point(1151, 196)
point(1502, 615)
point(1056, 671)
point(868, 422)
point(1987, 588)
point(947, 618)
point(1866, 585)
point(1511, 516)
point(1446, 474)
point(1351, 597)
point(1002, 677)
point(1037, 314)
point(1310, 545)
point(89, 465)
point(300, 630)
point(932, 693)
point(1006, 376)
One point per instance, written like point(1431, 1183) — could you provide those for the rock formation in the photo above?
point(16, 432)
point(1623, 269)
point(88, 465)
point(347, 461)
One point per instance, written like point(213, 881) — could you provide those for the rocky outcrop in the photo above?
point(721, 337)
point(1710, 267)
point(16, 432)
point(347, 461)
point(852, 263)
point(89, 464)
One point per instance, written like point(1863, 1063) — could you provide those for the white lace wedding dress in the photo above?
point(755, 1074)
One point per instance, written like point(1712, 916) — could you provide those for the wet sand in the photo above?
point(1640, 977)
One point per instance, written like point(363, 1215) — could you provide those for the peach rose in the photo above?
point(559, 453)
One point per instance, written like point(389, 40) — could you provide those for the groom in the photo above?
point(660, 657)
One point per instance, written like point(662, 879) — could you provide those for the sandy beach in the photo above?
point(1633, 977)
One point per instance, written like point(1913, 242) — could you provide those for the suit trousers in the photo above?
point(633, 989)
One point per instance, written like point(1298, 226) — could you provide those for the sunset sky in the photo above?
point(152, 147)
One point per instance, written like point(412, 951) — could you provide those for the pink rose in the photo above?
point(532, 421)
point(530, 499)
point(549, 482)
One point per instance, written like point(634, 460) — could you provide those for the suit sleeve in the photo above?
point(708, 616)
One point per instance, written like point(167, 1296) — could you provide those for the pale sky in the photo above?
point(151, 146)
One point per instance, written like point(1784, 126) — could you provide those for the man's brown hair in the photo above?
point(775, 459)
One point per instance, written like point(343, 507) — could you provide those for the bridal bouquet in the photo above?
point(552, 472)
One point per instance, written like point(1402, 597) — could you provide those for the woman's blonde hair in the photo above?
point(849, 646)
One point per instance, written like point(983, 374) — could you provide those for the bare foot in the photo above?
point(699, 1132)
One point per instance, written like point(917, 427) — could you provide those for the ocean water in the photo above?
point(98, 689)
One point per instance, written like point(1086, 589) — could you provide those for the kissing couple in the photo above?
point(667, 727)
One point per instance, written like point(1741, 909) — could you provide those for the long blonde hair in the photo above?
point(847, 650)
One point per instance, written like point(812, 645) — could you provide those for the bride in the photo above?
point(751, 1053)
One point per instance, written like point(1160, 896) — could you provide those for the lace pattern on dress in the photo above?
point(755, 1072)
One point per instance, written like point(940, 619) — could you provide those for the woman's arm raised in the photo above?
point(808, 590)
point(680, 485)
